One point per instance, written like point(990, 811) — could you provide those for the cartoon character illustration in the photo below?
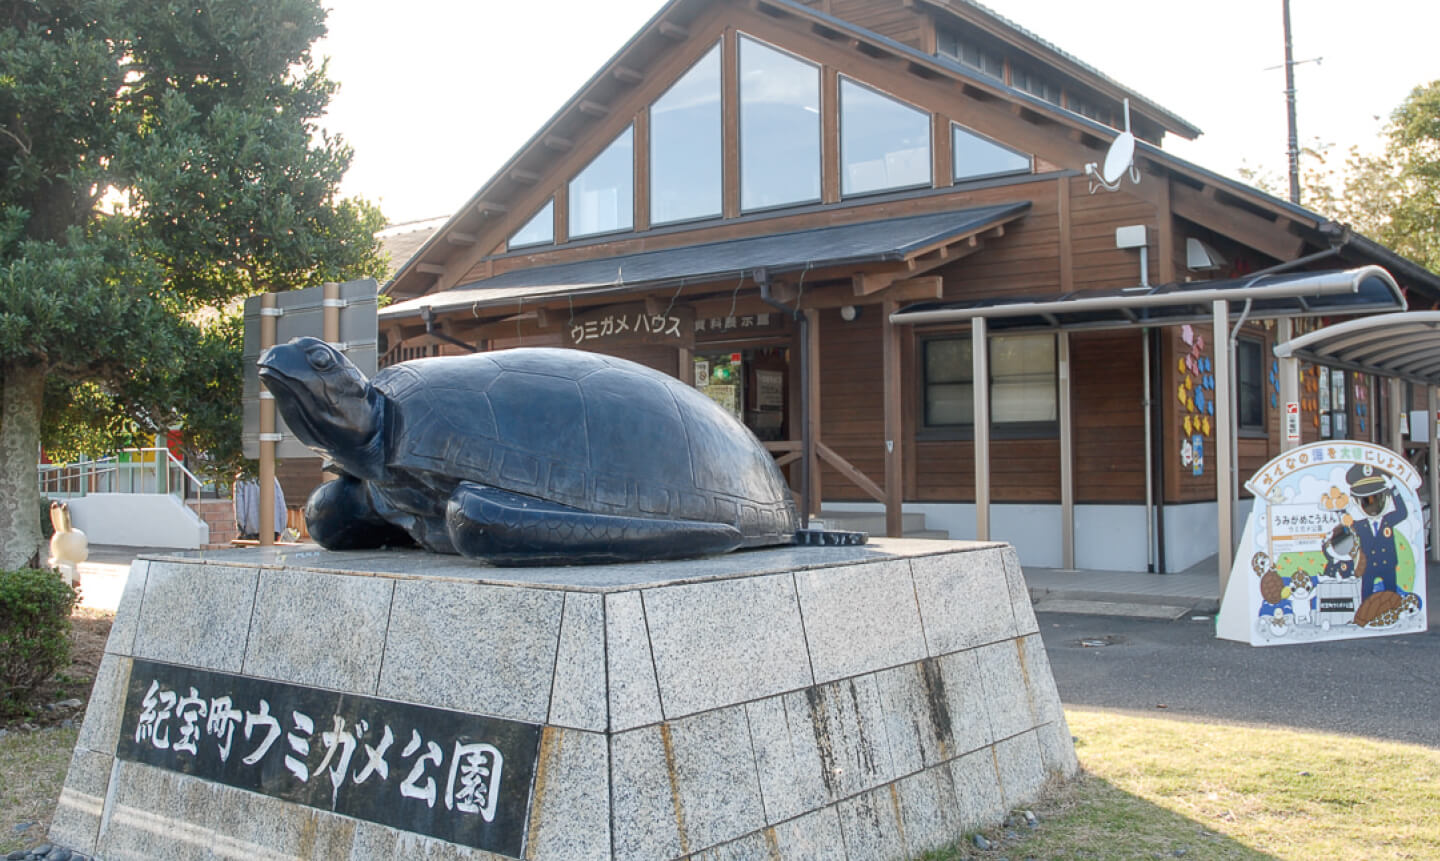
point(1382, 510)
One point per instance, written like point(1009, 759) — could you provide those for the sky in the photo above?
point(435, 95)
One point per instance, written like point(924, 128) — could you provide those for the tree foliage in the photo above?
point(160, 159)
point(1392, 196)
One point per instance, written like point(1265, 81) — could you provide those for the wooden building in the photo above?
point(764, 197)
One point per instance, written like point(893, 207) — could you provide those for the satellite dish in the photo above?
point(1119, 159)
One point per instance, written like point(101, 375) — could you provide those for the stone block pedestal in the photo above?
point(836, 702)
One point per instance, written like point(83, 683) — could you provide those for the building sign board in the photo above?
point(1334, 549)
point(622, 325)
point(1292, 421)
point(459, 777)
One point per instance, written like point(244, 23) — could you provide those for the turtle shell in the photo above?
point(1379, 610)
point(595, 432)
point(1272, 587)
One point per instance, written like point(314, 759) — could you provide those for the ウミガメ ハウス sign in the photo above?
point(1334, 548)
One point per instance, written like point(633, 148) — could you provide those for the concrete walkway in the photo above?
point(1123, 593)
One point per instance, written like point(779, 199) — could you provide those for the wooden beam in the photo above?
point(524, 177)
point(490, 207)
point(558, 143)
point(912, 289)
point(430, 268)
point(1248, 229)
point(627, 75)
point(456, 237)
point(674, 31)
point(894, 422)
point(845, 468)
point(1067, 244)
point(593, 109)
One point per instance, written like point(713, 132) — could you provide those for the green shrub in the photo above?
point(35, 609)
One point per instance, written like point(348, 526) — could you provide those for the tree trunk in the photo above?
point(22, 388)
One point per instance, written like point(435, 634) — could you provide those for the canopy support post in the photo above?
point(1224, 442)
point(1067, 457)
point(980, 365)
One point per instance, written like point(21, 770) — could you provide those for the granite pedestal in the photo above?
point(835, 702)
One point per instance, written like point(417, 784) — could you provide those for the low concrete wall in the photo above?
point(139, 520)
point(853, 703)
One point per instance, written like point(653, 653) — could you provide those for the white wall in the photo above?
point(138, 520)
point(1107, 537)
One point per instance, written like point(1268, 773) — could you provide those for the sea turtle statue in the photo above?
point(531, 456)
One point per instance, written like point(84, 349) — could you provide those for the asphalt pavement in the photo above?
point(1382, 687)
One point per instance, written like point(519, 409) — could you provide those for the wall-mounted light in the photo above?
point(848, 313)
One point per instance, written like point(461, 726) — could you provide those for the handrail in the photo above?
point(86, 476)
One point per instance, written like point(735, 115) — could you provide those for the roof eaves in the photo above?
point(1185, 128)
point(535, 139)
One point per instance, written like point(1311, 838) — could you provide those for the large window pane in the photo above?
point(539, 230)
point(976, 157)
point(602, 196)
point(949, 387)
point(779, 128)
point(686, 135)
point(884, 143)
point(1022, 381)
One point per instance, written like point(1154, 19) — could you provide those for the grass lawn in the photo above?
point(1156, 787)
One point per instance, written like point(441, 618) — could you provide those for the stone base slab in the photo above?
point(820, 702)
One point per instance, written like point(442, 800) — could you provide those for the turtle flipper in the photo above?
point(339, 516)
point(511, 529)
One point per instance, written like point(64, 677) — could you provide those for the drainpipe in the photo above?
point(428, 315)
point(762, 278)
point(1149, 451)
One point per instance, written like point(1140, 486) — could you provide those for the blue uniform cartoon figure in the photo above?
point(1375, 530)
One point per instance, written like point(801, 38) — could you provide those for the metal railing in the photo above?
point(133, 470)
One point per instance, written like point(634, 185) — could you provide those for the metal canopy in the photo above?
point(1404, 345)
point(1367, 289)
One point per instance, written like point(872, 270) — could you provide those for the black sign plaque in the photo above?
point(459, 777)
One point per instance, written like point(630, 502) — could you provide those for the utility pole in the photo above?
point(1290, 109)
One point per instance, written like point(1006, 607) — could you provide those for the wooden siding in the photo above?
point(901, 22)
point(851, 408)
point(1109, 417)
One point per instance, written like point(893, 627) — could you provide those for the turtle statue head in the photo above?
point(324, 398)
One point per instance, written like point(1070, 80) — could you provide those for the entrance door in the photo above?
point(751, 385)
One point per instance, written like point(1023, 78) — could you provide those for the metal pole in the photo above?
point(1294, 150)
point(1145, 405)
point(980, 366)
point(266, 525)
point(1289, 381)
point(1224, 453)
point(1392, 415)
point(1067, 454)
point(1433, 418)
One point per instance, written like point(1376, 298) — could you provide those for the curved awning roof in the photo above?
point(1368, 289)
point(1404, 345)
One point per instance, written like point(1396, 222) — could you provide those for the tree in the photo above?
point(1392, 197)
point(159, 158)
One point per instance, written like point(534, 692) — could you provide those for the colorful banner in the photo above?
point(1334, 549)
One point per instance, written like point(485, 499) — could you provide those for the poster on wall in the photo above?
point(1334, 549)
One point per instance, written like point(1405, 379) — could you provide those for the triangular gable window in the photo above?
point(539, 230)
point(978, 157)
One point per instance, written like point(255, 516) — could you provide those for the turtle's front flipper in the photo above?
point(339, 516)
point(511, 529)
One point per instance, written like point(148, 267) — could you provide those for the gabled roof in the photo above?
point(669, 23)
point(880, 241)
